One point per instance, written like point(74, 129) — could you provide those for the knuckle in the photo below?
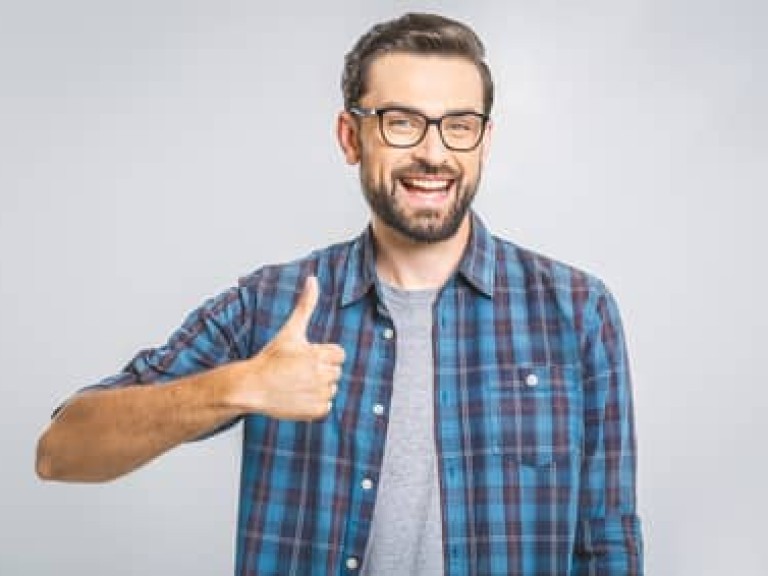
point(332, 375)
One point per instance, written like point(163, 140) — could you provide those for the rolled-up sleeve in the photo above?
point(609, 536)
point(215, 333)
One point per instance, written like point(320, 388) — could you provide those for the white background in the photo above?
point(152, 152)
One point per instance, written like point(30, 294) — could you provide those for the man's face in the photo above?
point(422, 192)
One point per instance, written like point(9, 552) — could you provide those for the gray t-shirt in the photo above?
point(406, 532)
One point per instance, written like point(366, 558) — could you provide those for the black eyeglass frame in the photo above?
point(368, 112)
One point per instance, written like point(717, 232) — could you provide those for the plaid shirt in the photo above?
point(533, 415)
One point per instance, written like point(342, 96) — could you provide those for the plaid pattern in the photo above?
point(533, 415)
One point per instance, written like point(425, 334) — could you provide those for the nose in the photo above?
point(431, 149)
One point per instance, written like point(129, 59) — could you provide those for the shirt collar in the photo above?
point(477, 264)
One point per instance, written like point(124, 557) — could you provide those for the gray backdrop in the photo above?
point(152, 152)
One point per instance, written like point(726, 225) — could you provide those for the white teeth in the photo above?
point(428, 184)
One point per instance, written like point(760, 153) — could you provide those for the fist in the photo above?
point(292, 378)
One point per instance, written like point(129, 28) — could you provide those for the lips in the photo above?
point(431, 185)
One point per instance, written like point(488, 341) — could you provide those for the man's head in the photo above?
point(418, 177)
point(425, 34)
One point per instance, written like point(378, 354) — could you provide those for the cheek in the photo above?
point(471, 167)
point(379, 164)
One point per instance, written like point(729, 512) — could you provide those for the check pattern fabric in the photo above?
point(533, 415)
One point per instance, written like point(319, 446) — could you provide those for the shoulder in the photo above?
point(522, 267)
point(284, 280)
point(554, 288)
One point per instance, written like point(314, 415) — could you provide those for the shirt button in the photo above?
point(531, 380)
point(378, 409)
point(388, 333)
point(367, 483)
point(352, 563)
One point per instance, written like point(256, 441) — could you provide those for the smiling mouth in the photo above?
point(427, 185)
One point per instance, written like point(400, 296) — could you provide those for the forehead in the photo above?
point(430, 83)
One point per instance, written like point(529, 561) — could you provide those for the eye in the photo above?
point(460, 124)
point(400, 121)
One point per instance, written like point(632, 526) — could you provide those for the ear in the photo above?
point(347, 134)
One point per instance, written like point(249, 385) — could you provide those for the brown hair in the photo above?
point(413, 34)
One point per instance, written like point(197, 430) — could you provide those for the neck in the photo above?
point(411, 265)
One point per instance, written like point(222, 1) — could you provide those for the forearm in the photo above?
point(611, 545)
point(609, 536)
point(101, 435)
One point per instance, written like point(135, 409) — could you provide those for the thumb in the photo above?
point(298, 321)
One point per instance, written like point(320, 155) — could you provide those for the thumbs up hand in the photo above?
point(292, 378)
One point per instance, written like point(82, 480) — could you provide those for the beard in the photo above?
point(425, 225)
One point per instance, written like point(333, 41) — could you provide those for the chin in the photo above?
point(429, 232)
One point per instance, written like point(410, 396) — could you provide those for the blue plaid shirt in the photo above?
point(533, 415)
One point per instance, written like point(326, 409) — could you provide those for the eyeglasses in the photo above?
point(404, 127)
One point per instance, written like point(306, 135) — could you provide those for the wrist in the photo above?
point(239, 390)
point(228, 388)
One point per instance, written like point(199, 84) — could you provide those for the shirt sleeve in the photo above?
point(215, 333)
point(608, 538)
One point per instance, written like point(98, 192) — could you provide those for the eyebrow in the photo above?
point(393, 104)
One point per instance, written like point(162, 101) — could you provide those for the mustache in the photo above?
point(426, 169)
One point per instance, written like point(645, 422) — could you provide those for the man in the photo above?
point(423, 399)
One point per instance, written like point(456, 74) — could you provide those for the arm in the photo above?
point(608, 540)
point(102, 434)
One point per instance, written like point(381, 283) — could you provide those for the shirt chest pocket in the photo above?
point(539, 413)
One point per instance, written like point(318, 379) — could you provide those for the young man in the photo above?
point(423, 399)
